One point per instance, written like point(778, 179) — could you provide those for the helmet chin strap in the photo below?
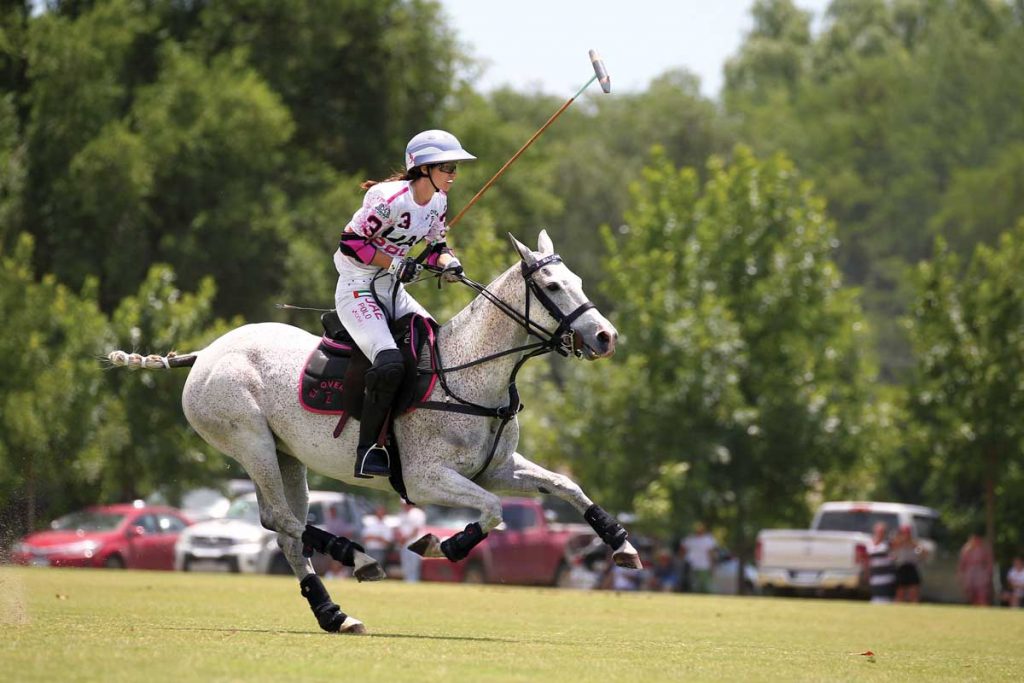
point(430, 177)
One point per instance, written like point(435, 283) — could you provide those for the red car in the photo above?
point(532, 549)
point(127, 536)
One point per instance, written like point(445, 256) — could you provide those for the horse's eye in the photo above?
point(552, 287)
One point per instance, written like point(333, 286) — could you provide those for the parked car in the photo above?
point(238, 542)
point(131, 535)
point(530, 548)
point(205, 503)
point(829, 557)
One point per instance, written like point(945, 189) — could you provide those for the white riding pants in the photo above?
point(361, 315)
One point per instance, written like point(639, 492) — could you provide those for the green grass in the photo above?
point(96, 625)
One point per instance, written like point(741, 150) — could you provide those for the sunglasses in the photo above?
point(447, 167)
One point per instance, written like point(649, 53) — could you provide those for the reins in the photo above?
point(561, 340)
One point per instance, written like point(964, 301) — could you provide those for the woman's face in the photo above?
point(443, 175)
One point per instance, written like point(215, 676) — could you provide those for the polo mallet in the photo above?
point(600, 75)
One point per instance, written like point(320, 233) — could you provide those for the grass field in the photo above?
point(104, 625)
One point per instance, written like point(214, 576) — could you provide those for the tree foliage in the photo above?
point(166, 166)
point(742, 372)
point(968, 332)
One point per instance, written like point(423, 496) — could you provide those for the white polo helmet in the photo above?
point(434, 147)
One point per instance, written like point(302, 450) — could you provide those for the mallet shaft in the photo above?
point(515, 156)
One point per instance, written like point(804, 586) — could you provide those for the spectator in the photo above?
point(975, 570)
point(664, 574)
point(907, 553)
point(880, 567)
point(1015, 582)
point(378, 535)
point(699, 552)
point(410, 527)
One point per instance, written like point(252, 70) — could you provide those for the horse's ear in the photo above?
point(524, 252)
point(544, 244)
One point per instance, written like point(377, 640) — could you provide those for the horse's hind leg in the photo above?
point(328, 614)
point(519, 475)
point(237, 428)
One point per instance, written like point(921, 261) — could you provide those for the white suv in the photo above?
point(239, 543)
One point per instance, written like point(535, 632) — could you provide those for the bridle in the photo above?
point(564, 335)
point(561, 340)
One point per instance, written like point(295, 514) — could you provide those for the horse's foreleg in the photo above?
point(519, 475)
point(447, 487)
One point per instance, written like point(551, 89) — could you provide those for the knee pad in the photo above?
point(387, 372)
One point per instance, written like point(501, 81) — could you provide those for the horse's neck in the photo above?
point(479, 330)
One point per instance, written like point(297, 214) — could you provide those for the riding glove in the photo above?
point(404, 269)
point(453, 271)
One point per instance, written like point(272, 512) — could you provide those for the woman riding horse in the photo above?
point(373, 263)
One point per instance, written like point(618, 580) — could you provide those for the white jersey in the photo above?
point(389, 221)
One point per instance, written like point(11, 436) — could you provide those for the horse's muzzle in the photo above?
point(601, 346)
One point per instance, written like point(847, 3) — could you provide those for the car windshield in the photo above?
point(450, 518)
point(244, 509)
point(856, 520)
point(87, 520)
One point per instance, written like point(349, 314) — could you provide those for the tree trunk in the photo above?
point(991, 460)
point(30, 495)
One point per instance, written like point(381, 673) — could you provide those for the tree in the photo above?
point(158, 451)
point(897, 110)
point(742, 364)
point(52, 406)
point(967, 327)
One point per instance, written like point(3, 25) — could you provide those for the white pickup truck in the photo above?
point(829, 557)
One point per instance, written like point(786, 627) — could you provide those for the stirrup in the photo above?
point(373, 462)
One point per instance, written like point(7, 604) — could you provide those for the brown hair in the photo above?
point(412, 174)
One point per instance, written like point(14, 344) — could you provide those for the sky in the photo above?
point(541, 45)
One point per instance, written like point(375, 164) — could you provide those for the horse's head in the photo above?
point(584, 331)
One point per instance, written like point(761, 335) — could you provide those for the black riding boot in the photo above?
point(382, 382)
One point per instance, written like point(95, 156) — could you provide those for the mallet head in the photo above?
point(602, 73)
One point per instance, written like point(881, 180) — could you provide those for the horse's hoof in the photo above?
point(628, 560)
point(365, 568)
point(369, 572)
point(627, 557)
point(353, 627)
point(428, 545)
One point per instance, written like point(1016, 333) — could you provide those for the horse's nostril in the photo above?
point(605, 339)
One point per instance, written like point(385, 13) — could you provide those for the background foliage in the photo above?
point(815, 275)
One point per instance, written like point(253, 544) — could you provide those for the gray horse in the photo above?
point(241, 398)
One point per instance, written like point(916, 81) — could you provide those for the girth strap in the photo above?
point(503, 413)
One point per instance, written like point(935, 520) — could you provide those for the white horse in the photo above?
point(241, 397)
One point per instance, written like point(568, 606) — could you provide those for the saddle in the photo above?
point(332, 381)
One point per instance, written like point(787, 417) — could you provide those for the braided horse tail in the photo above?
point(136, 361)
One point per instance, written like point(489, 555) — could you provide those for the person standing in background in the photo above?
point(880, 567)
point(975, 570)
point(410, 527)
point(378, 535)
point(907, 553)
point(698, 550)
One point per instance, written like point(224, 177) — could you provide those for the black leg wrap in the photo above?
point(459, 545)
point(338, 547)
point(610, 531)
point(328, 615)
